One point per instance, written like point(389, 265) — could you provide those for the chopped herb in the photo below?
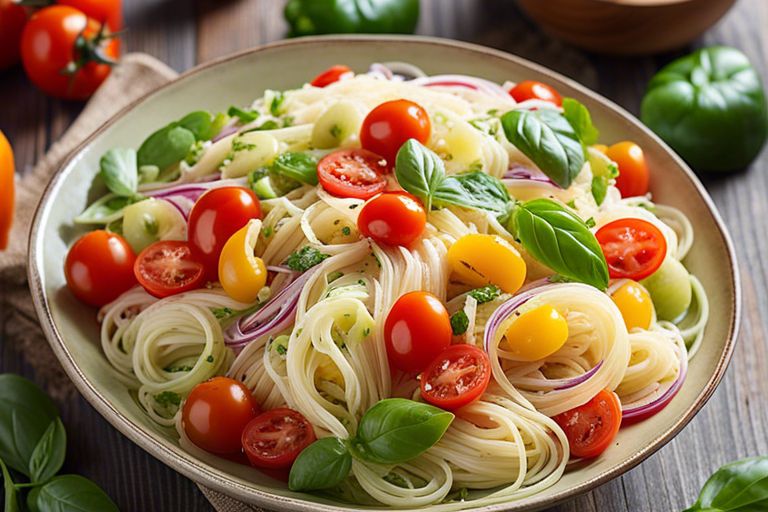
point(335, 131)
point(366, 331)
point(459, 323)
point(305, 258)
point(493, 112)
point(222, 313)
point(571, 204)
point(346, 231)
point(151, 227)
point(244, 115)
point(281, 349)
point(176, 369)
point(287, 121)
point(239, 145)
point(485, 294)
point(268, 231)
point(361, 282)
point(397, 480)
point(590, 222)
point(209, 359)
point(276, 105)
point(353, 206)
point(334, 276)
point(168, 398)
point(613, 170)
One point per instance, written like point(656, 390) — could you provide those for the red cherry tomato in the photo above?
point(215, 217)
point(532, 90)
point(99, 267)
point(109, 11)
point(61, 51)
point(393, 218)
point(591, 427)
point(216, 412)
point(330, 75)
point(458, 376)
point(352, 173)
point(633, 248)
point(416, 330)
point(391, 124)
point(275, 438)
point(167, 268)
point(633, 171)
point(13, 17)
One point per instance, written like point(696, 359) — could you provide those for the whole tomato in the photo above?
point(103, 11)
point(13, 17)
point(67, 54)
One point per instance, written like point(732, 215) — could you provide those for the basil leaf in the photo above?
point(298, 166)
point(578, 117)
point(560, 240)
point(245, 116)
point(599, 188)
point(459, 322)
point(549, 140)
point(166, 147)
point(107, 209)
point(25, 413)
point(476, 190)
point(119, 171)
point(321, 465)
point(69, 493)
point(200, 123)
point(739, 486)
point(419, 171)
point(11, 502)
point(49, 453)
point(397, 430)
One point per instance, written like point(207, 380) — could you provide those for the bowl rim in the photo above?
point(209, 476)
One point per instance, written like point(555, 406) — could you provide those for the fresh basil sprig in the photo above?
point(740, 486)
point(48, 456)
point(322, 465)
point(559, 239)
point(579, 118)
point(301, 167)
point(419, 170)
point(170, 144)
point(69, 492)
point(120, 172)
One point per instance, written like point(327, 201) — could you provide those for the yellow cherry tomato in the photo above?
point(241, 273)
point(536, 334)
point(479, 260)
point(635, 305)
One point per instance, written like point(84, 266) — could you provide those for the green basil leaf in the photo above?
point(321, 465)
point(397, 430)
point(107, 209)
point(740, 486)
point(297, 166)
point(245, 116)
point(559, 239)
point(599, 188)
point(166, 147)
point(476, 190)
point(49, 453)
point(200, 123)
point(419, 171)
point(119, 171)
point(69, 493)
point(25, 413)
point(549, 140)
point(578, 116)
point(11, 501)
point(459, 322)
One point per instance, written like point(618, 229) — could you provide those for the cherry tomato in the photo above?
point(458, 376)
point(216, 412)
point(633, 171)
point(7, 186)
point(391, 124)
point(633, 248)
point(64, 53)
point(330, 75)
point(216, 216)
point(241, 274)
point(167, 268)
point(535, 334)
point(416, 330)
point(275, 438)
point(635, 305)
point(109, 11)
point(532, 90)
point(480, 259)
point(13, 17)
point(393, 218)
point(99, 267)
point(353, 173)
point(591, 427)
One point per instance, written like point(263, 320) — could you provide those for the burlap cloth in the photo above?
point(136, 75)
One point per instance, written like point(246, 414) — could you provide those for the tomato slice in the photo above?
point(591, 427)
point(634, 248)
point(356, 173)
point(167, 268)
point(330, 75)
point(275, 438)
point(458, 376)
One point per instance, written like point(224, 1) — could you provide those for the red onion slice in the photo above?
point(518, 172)
point(469, 82)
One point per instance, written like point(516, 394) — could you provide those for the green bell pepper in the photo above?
point(310, 17)
point(710, 107)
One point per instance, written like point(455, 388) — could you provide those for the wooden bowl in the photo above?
point(626, 27)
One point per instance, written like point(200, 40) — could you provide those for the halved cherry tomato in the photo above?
point(65, 53)
point(167, 268)
point(13, 17)
point(535, 334)
point(216, 216)
point(458, 376)
point(7, 187)
point(275, 438)
point(391, 124)
point(479, 259)
point(393, 218)
point(591, 427)
point(633, 248)
point(533, 90)
point(633, 171)
point(241, 274)
point(330, 75)
point(416, 330)
point(99, 267)
point(354, 173)
point(216, 412)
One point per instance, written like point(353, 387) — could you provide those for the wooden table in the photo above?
point(182, 33)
